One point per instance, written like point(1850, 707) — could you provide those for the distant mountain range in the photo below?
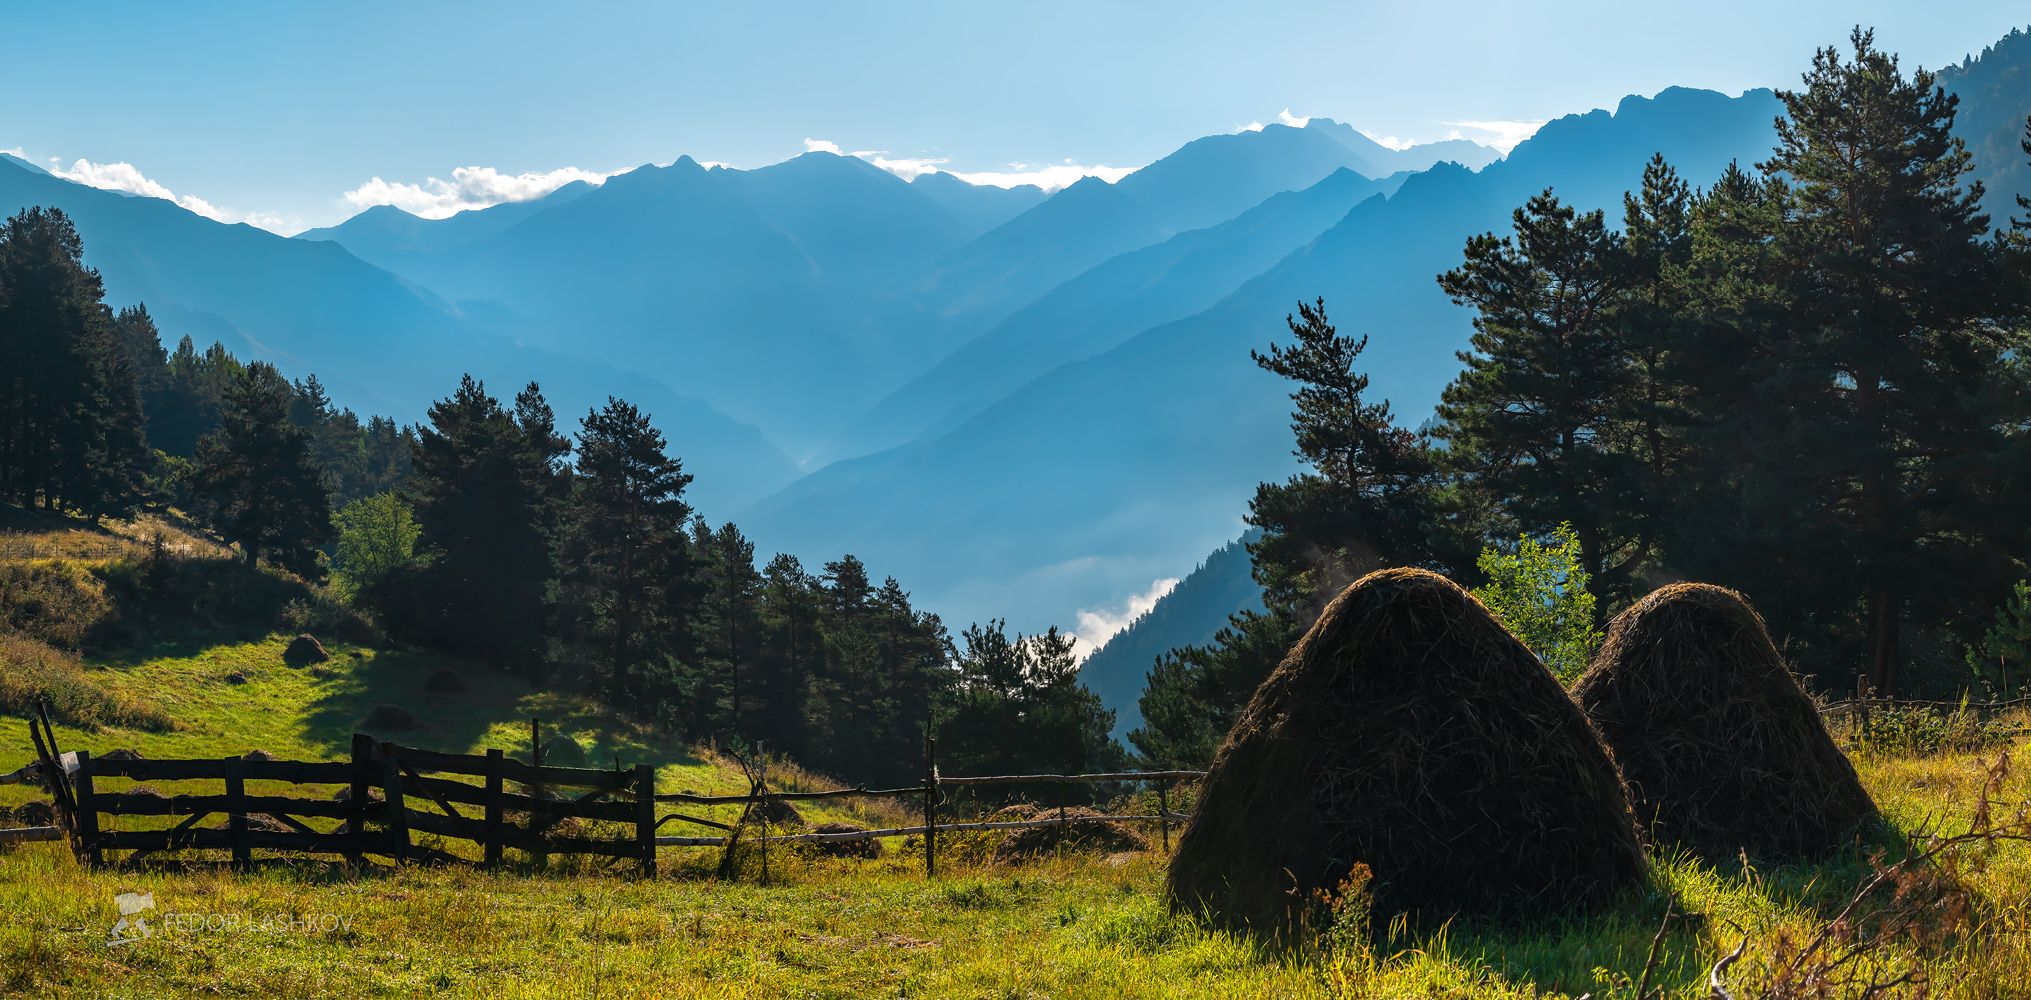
point(1190, 615)
point(1020, 403)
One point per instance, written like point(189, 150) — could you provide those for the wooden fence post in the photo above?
point(495, 759)
point(930, 804)
point(1164, 813)
point(1862, 704)
point(535, 789)
point(236, 814)
point(357, 795)
point(645, 816)
point(398, 807)
point(87, 810)
point(762, 789)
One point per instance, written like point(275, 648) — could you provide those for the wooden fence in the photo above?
point(421, 791)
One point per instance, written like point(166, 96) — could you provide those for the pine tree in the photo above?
point(623, 546)
point(262, 490)
point(70, 412)
point(1895, 422)
point(1531, 421)
point(727, 623)
point(484, 503)
point(1372, 496)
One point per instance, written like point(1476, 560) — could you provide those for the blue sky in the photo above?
point(275, 111)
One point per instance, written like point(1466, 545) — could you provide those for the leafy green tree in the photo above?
point(261, 489)
point(1539, 589)
point(376, 549)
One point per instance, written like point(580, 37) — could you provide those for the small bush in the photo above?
point(1539, 590)
point(31, 669)
point(1921, 729)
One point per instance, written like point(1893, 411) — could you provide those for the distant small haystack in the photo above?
point(444, 681)
point(304, 650)
point(1408, 730)
point(389, 717)
point(1722, 749)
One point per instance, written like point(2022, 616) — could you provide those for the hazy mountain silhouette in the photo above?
point(1103, 474)
point(978, 207)
point(1190, 615)
point(1377, 160)
point(1107, 304)
point(380, 344)
point(1203, 183)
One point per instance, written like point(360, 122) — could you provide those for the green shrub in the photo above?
point(1540, 591)
point(2003, 656)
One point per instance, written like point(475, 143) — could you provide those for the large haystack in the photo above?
point(1410, 731)
point(1722, 749)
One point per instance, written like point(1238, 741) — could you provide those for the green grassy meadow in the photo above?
point(1081, 925)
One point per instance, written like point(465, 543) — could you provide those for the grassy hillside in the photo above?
point(1080, 927)
point(177, 651)
point(100, 610)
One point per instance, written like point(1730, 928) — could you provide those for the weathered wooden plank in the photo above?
point(132, 804)
point(476, 795)
point(692, 798)
point(493, 805)
point(173, 840)
point(912, 831)
point(645, 817)
point(87, 806)
point(511, 769)
point(1025, 779)
point(236, 814)
point(30, 834)
point(295, 771)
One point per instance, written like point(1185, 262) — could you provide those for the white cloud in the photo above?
point(1250, 127)
point(1394, 142)
point(1292, 120)
point(1097, 625)
point(1503, 135)
point(468, 188)
point(1050, 177)
point(125, 177)
point(14, 151)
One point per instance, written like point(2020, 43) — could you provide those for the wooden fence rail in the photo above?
point(421, 791)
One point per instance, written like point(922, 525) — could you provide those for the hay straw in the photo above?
point(1722, 748)
point(1410, 731)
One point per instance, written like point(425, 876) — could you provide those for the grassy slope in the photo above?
point(306, 713)
point(1077, 927)
point(1081, 927)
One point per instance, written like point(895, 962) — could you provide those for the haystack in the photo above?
point(1722, 749)
point(387, 716)
point(304, 650)
point(1092, 837)
point(563, 751)
point(1409, 731)
point(846, 848)
point(444, 681)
